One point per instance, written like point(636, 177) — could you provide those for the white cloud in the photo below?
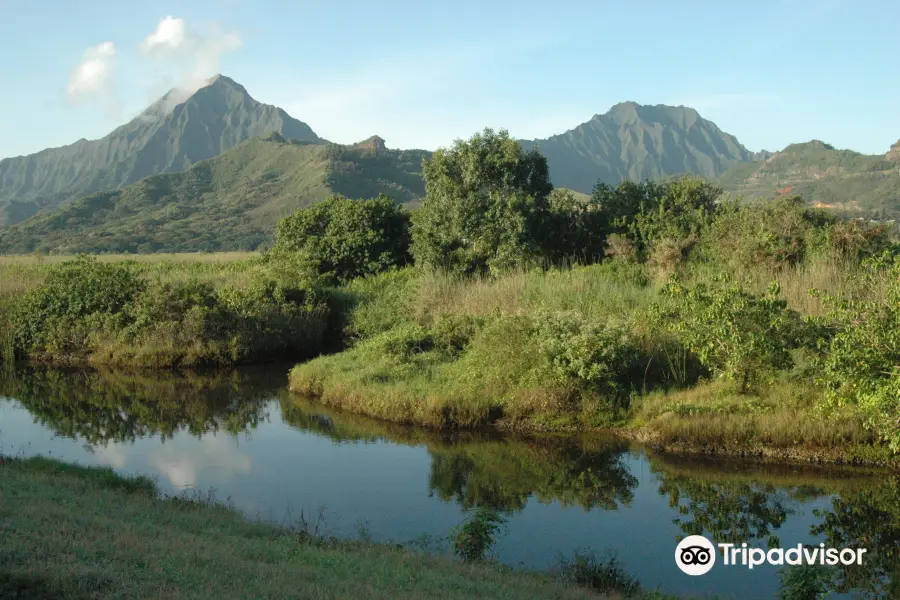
point(184, 58)
point(93, 75)
point(170, 34)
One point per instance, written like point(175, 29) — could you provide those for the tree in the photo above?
point(343, 238)
point(485, 205)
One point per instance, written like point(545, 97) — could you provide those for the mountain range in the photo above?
point(841, 180)
point(229, 202)
point(216, 169)
point(170, 135)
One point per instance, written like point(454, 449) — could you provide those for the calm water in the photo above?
point(275, 455)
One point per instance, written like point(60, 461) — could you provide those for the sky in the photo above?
point(422, 74)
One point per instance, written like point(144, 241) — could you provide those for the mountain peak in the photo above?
point(190, 123)
point(893, 154)
point(637, 142)
point(223, 82)
point(810, 145)
point(373, 143)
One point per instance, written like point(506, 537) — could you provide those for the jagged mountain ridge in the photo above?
point(229, 202)
point(175, 132)
point(633, 141)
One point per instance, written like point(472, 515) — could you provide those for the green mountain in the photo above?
point(230, 202)
point(843, 180)
point(175, 132)
point(638, 142)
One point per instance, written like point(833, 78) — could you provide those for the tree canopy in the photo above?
point(484, 204)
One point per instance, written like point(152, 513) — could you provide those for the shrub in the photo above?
point(591, 355)
point(602, 574)
point(767, 233)
point(473, 538)
point(857, 240)
point(621, 249)
point(106, 313)
point(343, 238)
point(861, 362)
point(76, 298)
point(676, 216)
point(573, 231)
point(736, 334)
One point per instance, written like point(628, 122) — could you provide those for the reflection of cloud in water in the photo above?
point(181, 464)
point(113, 455)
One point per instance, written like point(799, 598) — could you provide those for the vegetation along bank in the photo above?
point(687, 318)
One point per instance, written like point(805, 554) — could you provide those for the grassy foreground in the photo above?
point(73, 532)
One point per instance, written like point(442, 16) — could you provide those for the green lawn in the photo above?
point(85, 533)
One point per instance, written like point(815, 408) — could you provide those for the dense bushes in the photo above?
point(77, 299)
point(739, 335)
point(108, 313)
point(343, 239)
point(861, 362)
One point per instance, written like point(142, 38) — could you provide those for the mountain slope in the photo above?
point(172, 134)
point(230, 202)
point(839, 179)
point(638, 142)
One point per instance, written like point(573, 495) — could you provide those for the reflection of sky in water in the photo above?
point(276, 471)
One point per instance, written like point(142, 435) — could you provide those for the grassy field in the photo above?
point(82, 533)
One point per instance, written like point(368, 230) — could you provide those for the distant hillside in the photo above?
point(230, 202)
point(171, 135)
point(638, 142)
point(838, 179)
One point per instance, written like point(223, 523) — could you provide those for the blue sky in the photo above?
point(422, 74)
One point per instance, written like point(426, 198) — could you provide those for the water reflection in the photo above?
point(99, 406)
point(500, 472)
point(409, 480)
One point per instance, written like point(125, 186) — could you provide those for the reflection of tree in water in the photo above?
point(503, 475)
point(104, 406)
point(733, 512)
point(867, 518)
point(864, 513)
point(735, 502)
point(489, 469)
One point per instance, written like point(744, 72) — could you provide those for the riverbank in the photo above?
point(615, 346)
point(78, 533)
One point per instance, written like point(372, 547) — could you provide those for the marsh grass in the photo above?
point(496, 374)
point(780, 415)
point(86, 533)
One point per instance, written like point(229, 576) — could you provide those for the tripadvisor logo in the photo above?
point(696, 555)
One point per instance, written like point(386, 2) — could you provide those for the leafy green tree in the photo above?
point(343, 239)
point(485, 207)
point(474, 537)
point(657, 218)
